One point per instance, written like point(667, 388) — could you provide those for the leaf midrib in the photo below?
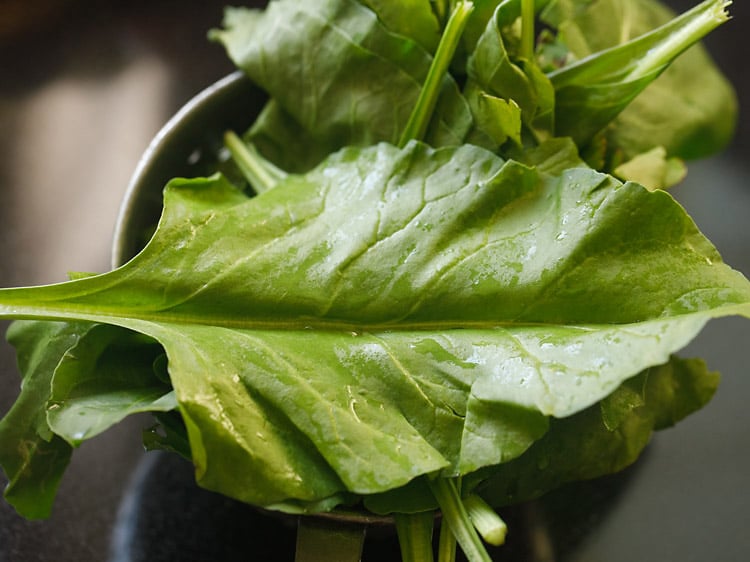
point(312, 324)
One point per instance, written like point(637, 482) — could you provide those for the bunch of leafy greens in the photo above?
point(435, 281)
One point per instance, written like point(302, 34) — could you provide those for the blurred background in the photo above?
point(86, 84)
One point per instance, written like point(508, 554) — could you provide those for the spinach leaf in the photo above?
point(168, 434)
point(599, 440)
point(359, 92)
point(483, 13)
point(79, 379)
point(503, 73)
point(428, 308)
point(589, 445)
point(108, 375)
point(412, 18)
point(653, 169)
point(497, 120)
point(552, 157)
point(690, 109)
point(32, 457)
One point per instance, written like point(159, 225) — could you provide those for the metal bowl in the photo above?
point(186, 146)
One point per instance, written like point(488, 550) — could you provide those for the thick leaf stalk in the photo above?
point(457, 518)
point(592, 92)
point(528, 35)
point(422, 114)
point(488, 523)
point(693, 26)
point(259, 172)
point(415, 535)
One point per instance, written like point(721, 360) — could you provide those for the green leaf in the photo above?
point(411, 18)
point(500, 72)
point(622, 46)
point(640, 47)
point(360, 92)
point(689, 388)
point(597, 441)
point(428, 308)
point(583, 110)
point(32, 457)
point(653, 169)
point(618, 406)
point(491, 66)
point(497, 118)
point(586, 446)
point(168, 434)
point(483, 12)
point(691, 110)
point(106, 376)
point(553, 157)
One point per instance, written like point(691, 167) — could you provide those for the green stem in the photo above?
point(455, 514)
point(527, 29)
point(486, 521)
point(415, 535)
point(420, 117)
point(259, 172)
point(447, 544)
point(700, 21)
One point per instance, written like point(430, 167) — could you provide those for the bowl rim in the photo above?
point(168, 133)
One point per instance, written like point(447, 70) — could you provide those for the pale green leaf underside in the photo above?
point(400, 312)
point(104, 378)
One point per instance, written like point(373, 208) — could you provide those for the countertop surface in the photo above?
point(85, 85)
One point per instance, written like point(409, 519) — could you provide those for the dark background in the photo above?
point(84, 85)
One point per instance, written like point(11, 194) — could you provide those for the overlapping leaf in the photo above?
point(107, 376)
point(337, 77)
point(605, 438)
point(79, 379)
point(493, 68)
point(32, 457)
point(690, 109)
point(600, 440)
point(426, 308)
point(411, 18)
